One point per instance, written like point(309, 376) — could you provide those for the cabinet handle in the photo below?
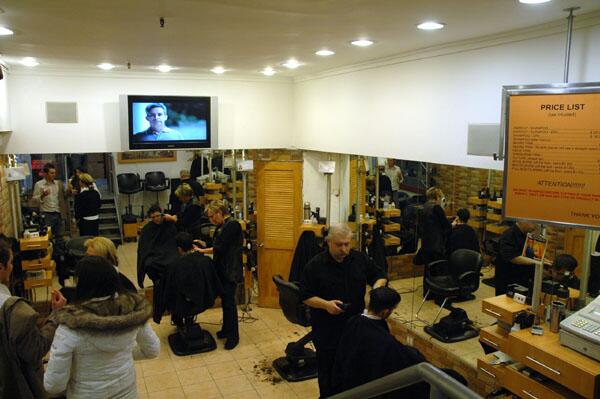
point(529, 394)
point(488, 373)
point(492, 312)
point(542, 364)
point(489, 341)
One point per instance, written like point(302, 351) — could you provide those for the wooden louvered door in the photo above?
point(363, 183)
point(279, 214)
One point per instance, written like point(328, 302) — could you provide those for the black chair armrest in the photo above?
point(437, 267)
point(469, 277)
point(168, 182)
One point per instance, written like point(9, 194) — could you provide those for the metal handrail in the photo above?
point(442, 385)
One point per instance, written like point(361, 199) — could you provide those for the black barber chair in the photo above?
point(190, 338)
point(129, 184)
point(299, 363)
point(453, 279)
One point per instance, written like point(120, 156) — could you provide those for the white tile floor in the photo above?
point(244, 372)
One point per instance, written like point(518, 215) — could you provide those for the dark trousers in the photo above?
point(54, 221)
point(230, 316)
point(325, 360)
point(88, 227)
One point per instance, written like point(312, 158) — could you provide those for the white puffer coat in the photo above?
point(94, 347)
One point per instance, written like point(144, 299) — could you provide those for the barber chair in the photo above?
point(156, 182)
point(299, 363)
point(74, 252)
point(452, 279)
point(129, 183)
point(190, 338)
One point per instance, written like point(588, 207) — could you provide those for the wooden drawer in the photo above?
point(527, 388)
point(495, 228)
point(502, 308)
point(476, 224)
point(477, 201)
point(494, 336)
point(213, 186)
point(212, 197)
point(390, 212)
point(46, 282)
point(494, 204)
point(27, 244)
point(490, 374)
point(559, 363)
point(390, 240)
point(33, 264)
point(476, 213)
point(387, 227)
point(496, 217)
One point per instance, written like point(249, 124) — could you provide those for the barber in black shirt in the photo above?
point(333, 286)
point(463, 236)
point(189, 217)
point(227, 249)
point(511, 266)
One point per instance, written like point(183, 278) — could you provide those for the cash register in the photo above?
point(581, 330)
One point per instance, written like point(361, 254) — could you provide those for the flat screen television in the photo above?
point(169, 122)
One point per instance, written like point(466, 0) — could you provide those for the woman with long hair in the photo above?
point(99, 336)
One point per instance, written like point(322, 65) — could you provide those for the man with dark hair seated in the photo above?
point(563, 270)
point(157, 248)
point(368, 351)
point(463, 236)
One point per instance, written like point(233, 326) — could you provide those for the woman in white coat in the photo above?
point(98, 337)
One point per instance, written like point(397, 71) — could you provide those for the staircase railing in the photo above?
point(115, 189)
point(442, 385)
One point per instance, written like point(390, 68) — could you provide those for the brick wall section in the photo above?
point(5, 208)
point(401, 266)
point(442, 358)
point(459, 183)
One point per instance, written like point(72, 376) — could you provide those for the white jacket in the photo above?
point(89, 363)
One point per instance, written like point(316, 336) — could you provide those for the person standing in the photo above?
point(394, 172)
point(333, 285)
point(87, 206)
point(189, 215)
point(23, 344)
point(511, 266)
point(227, 250)
point(50, 194)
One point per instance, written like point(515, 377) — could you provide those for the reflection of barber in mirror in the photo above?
point(189, 215)
point(227, 253)
point(511, 266)
point(394, 172)
point(463, 236)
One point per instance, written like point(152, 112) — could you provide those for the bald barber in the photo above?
point(333, 285)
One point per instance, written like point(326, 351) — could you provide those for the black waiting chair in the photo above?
point(156, 182)
point(129, 184)
point(454, 279)
point(299, 363)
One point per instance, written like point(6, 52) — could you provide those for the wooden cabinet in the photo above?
point(547, 356)
point(525, 387)
point(494, 336)
point(491, 374)
point(39, 271)
point(502, 308)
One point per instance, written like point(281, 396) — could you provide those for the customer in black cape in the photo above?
point(463, 236)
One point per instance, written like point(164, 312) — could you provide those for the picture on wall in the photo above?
point(147, 156)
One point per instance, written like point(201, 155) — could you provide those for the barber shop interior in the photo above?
point(294, 199)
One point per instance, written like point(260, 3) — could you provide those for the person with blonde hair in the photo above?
point(189, 217)
point(87, 206)
point(105, 248)
point(227, 254)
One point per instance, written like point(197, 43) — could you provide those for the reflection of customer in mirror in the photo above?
point(156, 115)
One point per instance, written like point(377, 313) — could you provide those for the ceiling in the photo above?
point(244, 36)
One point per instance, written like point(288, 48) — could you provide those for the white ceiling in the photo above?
point(247, 35)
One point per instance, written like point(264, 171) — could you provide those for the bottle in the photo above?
point(307, 213)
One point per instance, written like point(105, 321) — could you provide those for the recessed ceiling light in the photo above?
point(268, 71)
point(534, 1)
point(164, 68)
point(218, 70)
point(362, 42)
point(325, 53)
point(29, 61)
point(106, 66)
point(5, 31)
point(430, 25)
point(292, 63)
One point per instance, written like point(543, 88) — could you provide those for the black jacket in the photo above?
point(227, 251)
point(434, 230)
point(463, 237)
point(87, 203)
point(188, 287)
point(367, 351)
point(156, 250)
point(510, 246)
point(190, 218)
point(306, 249)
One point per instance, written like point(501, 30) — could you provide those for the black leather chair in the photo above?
point(129, 184)
point(453, 279)
point(156, 182)
point(299, 363)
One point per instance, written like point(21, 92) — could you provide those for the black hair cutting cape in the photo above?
point(157, 249)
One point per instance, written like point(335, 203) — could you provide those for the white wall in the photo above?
point(252, 113)
point(420, 109)
point(4, 113)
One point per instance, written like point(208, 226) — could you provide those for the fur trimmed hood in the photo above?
point(126, 312)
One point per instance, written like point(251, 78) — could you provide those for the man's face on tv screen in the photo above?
point(157, 117)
